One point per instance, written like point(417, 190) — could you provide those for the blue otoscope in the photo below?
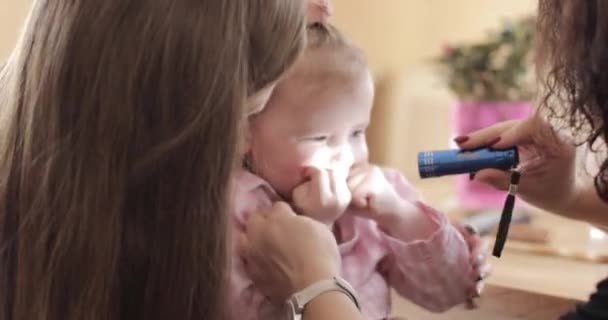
point(450, 162)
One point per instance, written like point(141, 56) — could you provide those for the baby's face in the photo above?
point(257, 102)
point(308, 125)
point(254, 104)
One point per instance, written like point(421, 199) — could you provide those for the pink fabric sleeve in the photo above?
point(435, 273)
point(246, 302)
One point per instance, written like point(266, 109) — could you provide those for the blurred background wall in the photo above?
point(12, 15)
point(399, 33)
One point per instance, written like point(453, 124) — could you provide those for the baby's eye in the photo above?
point(317, 138)
point(358, 133)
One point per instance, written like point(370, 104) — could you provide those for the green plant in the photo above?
point(496, 69)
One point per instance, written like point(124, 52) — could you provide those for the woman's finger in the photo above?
point(484, 137)
point(496, 178)
point(259, 276)
point(521, 132)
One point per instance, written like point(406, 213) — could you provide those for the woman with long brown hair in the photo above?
point(119, 125)
point(573, 67)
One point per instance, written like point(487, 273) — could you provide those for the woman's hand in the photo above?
point(547, 161)
point(285, 253)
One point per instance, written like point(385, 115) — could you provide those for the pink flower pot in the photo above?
point(467, 117)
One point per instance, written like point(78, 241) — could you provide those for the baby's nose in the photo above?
point(343, 159)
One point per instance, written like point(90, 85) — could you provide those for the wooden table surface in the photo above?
point(555, 275)
point(497, 303)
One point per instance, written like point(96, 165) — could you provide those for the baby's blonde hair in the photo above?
point(330, 57)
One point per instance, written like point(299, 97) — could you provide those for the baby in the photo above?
point(308, 148)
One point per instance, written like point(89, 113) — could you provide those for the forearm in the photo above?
point(332, 305)
point(444, 261)
point(409, 223)
point(587, 206)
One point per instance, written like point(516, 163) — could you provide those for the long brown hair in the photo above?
point(118, 136)
point(573, 57)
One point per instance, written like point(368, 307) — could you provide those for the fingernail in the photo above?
point(461, 139)
point(470, 229)
point(485, 270)
point(479, 288)
point(472, 176)
point(495, 141)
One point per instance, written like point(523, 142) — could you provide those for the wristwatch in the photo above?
point(297, 303)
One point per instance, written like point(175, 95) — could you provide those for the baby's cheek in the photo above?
point(295, 167)
point(291, 176)
point(361, 153)
point(301, 161)
point(298, 175)
point(315, 157)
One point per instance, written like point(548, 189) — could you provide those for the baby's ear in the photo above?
point(319, 11)
point(245, 146)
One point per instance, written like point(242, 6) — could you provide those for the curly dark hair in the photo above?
point(572, 53)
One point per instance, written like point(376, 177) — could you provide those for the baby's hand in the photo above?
point(372, 193)
point(324, 197)
point(374, 197)
point(481, 268)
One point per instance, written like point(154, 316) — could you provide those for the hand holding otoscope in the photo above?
point(451, 162)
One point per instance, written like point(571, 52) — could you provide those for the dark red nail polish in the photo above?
point(461, 139)
point(472, 176)
point(495, 141)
